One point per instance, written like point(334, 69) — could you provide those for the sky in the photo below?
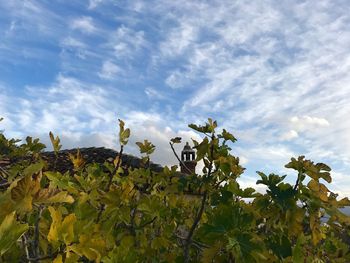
point(274, 73)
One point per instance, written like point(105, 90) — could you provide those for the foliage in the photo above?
point(102, 213)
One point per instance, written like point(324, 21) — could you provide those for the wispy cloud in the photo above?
point(276, 74)
point(94, 3)
point(109, 70)
point(84, 24)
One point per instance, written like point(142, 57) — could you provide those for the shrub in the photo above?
point(100, 214)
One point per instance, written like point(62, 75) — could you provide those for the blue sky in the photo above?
point(275, 73)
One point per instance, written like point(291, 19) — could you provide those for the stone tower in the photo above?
point(188, 160)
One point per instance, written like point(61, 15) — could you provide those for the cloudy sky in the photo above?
point(275, 73)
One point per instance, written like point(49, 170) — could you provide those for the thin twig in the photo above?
point(178, 158)
point(149, 222)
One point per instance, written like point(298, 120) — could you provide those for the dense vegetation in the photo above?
point(102, 213)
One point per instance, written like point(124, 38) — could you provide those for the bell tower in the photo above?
point(188, 160)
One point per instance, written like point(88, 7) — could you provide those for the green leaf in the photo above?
point(201, 129)
point(202, 149)
point(280, 245)
point(146, 147)
point(33, 169)
point(227, 136)
point(244, 246)
point(212, 124)
point(10, 232)
point(176, 140)
point(298, 255)
point(209, 254)
point(271, 180)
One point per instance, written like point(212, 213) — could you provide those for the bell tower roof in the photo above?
point(188, 160)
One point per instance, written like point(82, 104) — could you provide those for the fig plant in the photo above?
point(104, 213)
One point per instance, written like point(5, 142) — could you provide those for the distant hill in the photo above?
point(93, 155)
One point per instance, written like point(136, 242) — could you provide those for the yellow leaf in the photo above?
point(209, 254)
point(91, 246)
point(58, 259)
point(295, 220)
point(10, 232)
point(78, 161)
point(61, 230)
point(50, 195)
point(67, 228)
point(71, 257)
point(320, 190)
point(55, 225)
point(22, 193)
point(316, 232)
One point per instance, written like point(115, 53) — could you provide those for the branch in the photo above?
point(25, 246)
point(4, 185)
point(201, 210)
point(36, 233)
point(197, 244)
point(102, 206)
point(132, 221)
point(297, 182)
point(4, 172)
point(148, 223)
point(115, 168)
point(178, 158)
point(39, 258)
point(100, 211)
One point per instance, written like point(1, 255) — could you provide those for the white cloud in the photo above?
point(176, 80)
point(94, 3)
point(179, 39)
point(154, 93)
point(307, 122)
point(287, 136)
point(84, 24)
point(68, 105)
point(109, 70)
point(72, 42)
point(276, 75)
point(126, 42)
point(152, 127)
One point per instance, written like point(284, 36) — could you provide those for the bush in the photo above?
point(100, 214)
